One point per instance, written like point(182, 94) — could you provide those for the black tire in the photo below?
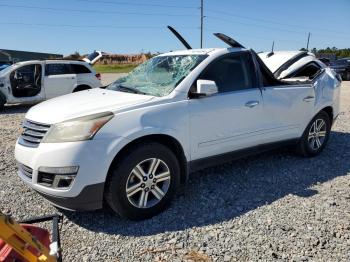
point(305, 145)
point(347, 76)
point(81, 88)
point(120, 175)
point(2, 102)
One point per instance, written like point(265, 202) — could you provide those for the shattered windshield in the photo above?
point(158, 76)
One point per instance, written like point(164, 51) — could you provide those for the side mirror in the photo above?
point(205, 88)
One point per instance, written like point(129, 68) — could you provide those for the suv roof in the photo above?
point(204, 51)
point(51, 61)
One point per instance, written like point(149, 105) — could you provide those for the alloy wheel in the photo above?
point(317, 134)
point(148, 183)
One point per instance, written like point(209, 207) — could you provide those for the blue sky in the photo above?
point(132, 26)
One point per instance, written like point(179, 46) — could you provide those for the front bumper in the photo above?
point(90, 198)
point(93, 157)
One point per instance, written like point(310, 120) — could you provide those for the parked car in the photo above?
point(342, 67)
point(30, 82)
point(134, 143)
point(4, 64)
point(325, 60)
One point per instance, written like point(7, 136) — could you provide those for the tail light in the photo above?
point(98, 76)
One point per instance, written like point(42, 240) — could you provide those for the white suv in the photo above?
point(132, 144)
point(30, 82)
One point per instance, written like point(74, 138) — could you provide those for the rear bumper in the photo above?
point(90, 198)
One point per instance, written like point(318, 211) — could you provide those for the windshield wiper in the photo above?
point(131, 89)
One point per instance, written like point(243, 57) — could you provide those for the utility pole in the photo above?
point(202, 23)
point(308, 40)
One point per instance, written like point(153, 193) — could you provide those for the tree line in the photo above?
point(339, 53)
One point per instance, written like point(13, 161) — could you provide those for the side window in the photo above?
point(57, 69)
point(310, 71)
point(79, 69)
point(231, 73)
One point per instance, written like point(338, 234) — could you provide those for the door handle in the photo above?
point(308, 98)
point(251, 104)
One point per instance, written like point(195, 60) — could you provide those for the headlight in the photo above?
point(78, 129)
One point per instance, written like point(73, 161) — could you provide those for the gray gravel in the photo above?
point(274, 206)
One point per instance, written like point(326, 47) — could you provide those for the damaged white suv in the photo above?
point(132, 144)
point(33, 81)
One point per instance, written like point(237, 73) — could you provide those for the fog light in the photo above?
point(57, 177)
point(61, 181)
point(59, 170)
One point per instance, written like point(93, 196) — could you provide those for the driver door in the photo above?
point(232, 119)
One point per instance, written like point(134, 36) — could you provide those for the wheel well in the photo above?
point(81, 88)
point(165, 140)
point(329, 111)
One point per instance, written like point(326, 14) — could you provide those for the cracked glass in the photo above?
point(158, 76)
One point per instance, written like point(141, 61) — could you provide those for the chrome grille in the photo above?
point(33, 133)
point(25, 170)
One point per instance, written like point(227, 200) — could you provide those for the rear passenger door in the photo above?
point(59, 79)
point(232, 118)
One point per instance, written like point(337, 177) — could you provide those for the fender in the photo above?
point(157, 131)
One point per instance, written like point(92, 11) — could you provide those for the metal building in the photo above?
point(17, 56)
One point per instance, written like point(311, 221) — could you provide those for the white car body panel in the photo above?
point(89, 101)
point(204, 127)
point(99, 54)
point(227, 135)
point(51, 86)
point(276, 60)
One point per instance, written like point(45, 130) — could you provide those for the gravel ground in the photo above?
point(274, 206)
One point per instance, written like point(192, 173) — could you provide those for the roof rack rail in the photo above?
point(228, 40)
point(178, 36)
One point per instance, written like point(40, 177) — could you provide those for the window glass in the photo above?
point(339, 62)
point(159, 75)
point(93, 55)
point(57, 69)
point(310, 71)
point(231, 73)
point(79, 69)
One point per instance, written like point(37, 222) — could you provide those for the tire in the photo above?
point(81, 88)
point(347, 76)
point(313, 145)
point(2, 102)
point(125, 175)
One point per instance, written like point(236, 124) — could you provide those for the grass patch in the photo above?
point(114, 68)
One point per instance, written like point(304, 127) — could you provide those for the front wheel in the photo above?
point(315, 136)
point(142, 183)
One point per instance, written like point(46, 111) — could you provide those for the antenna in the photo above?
point(202, 16)
point(178, 36)
point(308, 40)
point(273, 45)
point(271, 53)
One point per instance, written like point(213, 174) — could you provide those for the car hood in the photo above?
point(83, 103)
